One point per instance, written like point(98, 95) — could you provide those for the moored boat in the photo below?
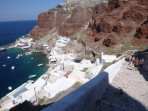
point(32, 76)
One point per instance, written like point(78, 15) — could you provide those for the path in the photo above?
point(128, 92)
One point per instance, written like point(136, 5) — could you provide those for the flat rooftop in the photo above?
point(127, 92)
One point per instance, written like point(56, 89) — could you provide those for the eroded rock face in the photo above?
point(136, 13)
point(48, 21)
point(120, 19)
point(142, 32)
point(38, 32)
point(100, 36)
point(109, 41)
point(113, 4)
point(74, 23)
point(108, 23)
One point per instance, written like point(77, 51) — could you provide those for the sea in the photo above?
point(24, 66)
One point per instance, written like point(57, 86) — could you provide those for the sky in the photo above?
point(18, 10)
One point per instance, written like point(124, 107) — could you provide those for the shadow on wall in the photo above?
point(96, 95)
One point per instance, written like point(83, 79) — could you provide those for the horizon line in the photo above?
point(19, 20)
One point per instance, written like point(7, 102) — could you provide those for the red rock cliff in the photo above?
point(108, 23)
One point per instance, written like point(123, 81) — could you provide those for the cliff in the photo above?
point(109, 24)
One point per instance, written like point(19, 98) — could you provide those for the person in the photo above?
point(133, 59)
point(136, 62)
point(130, 60)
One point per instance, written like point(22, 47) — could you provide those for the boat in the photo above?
point(18, 56)
point(8, 57)
point(10, 88)
point(4, 65)
point(30, 81)
point(2, 49)
point(40, 64)
point(28, 53)
point(31, 76)
point(12, 68)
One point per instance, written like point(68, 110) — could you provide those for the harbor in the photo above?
point(63, 72)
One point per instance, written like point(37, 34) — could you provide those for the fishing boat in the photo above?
point(31, 76)
point(40, 64)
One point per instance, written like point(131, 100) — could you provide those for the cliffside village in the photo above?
point(66, 68)
point(64, 71)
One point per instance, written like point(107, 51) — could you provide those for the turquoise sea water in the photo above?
point(24, 66)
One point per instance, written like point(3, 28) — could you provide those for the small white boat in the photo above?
point(4, 65)
point(31, 76)
point(40, 64)
point(31, 58)
point(10, 88)
point(8, 57)
point(28, 53)
point(18, 56)
point(12, 68)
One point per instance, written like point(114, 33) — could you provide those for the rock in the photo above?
point(38, 32)
point(80, 15)
point(142, 32)
point(136, 13)
point(108, 23)
point(100, 9)
point(125, 28)
point(109, 41)
point(48, 21)
point(113, 4)
point(120, 19)
point(100, 36)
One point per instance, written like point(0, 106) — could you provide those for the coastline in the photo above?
point(30, 51)
point(62, 73)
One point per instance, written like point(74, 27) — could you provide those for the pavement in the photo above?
point(127, 92)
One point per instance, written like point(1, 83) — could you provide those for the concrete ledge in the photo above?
point(85, 98)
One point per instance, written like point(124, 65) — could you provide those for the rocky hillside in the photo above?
point(113, 24)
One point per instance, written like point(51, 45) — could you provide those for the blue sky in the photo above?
point(14, 10)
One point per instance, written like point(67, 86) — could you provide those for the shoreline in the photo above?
point(12, 45)
point(61, 74)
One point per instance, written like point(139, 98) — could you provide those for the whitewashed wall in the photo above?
point(85, 97)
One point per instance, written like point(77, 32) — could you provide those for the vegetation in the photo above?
point(108, 64)
point(64, 50)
